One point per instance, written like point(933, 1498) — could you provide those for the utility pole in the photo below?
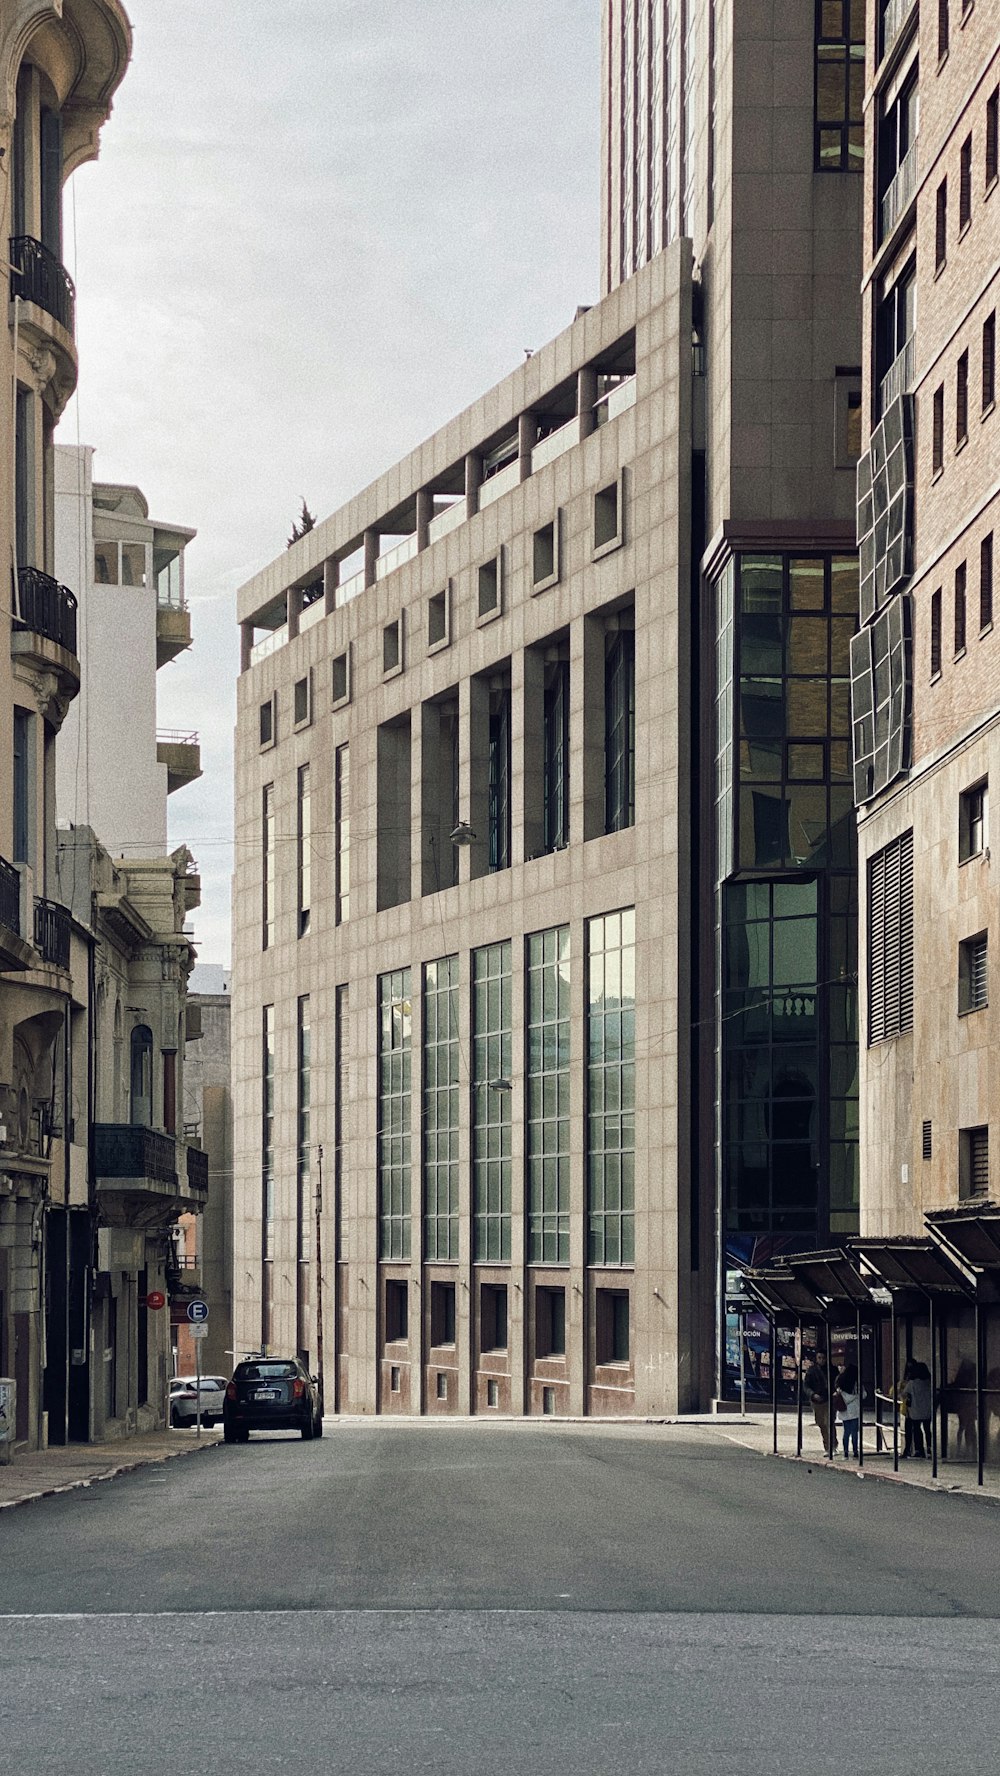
point(319, 1272)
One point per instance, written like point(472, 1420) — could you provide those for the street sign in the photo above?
point(197, 1312)
point(199, 1329)
point(156, 1298)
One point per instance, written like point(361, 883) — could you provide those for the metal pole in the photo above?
point(829, 1394)
point(319, 1275)
point(743, 1364)
point(798, 1409)
point(934, 1388)
point(774, 1384)
point(895, 1389)
point(197, 1371)
point(861, 1396)
point(980, 1451)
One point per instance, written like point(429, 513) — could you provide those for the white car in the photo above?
point(184, 1399)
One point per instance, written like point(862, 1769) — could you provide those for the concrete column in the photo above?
point(371, 556)
point(518, 1302)
point(331, 580)
point(473, 482)
point(246, 645)
point(576, 1278)
point(586, 395)
point(465, 1321)
point(425, 512)
point(527, 432)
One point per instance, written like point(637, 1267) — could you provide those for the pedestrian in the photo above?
point(847, 1401)
point(916, 1392)
point(816, 1382)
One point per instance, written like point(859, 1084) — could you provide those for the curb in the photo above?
point(937, 1488)
point(132, 1467)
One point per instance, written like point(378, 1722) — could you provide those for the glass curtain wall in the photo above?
point(342, 833)
point(440, 1058)
point(491, 1064)
point(611, 1088)
point(394, 1157)
point(619, 731)
point(267, 1131)
point(548, 1096)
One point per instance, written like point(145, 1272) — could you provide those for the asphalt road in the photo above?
point(469, 1599)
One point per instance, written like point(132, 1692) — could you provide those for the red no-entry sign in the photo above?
point(156, 1298)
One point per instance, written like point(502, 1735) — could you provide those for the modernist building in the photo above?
point(205, 1246)
point(544, 966)
point(61, 62)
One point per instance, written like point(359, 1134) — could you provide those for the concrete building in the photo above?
point(208, 1119)
point(480, 941)
point(114, 766)
point(61, 62)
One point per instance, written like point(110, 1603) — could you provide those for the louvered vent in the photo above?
point(890, 940)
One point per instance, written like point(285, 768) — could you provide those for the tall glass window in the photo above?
point(304, 1150)
point(440, 1007)
point(840, 85)
point(268, 838)
point(267, 1132)
point(548, 1096)
point(499, 749)
point(341, 1020)
point(491, 1062)
point(395, 1020)
point(611, 1088)
point(342, 832)
point(619, 731)
point(556, 756)
point(304, 848)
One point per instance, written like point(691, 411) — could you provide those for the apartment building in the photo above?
point(205, 1243)
point(649, 528)
point(61, 65)
point(926, 703)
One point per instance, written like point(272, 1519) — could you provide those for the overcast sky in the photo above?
point(317, 229)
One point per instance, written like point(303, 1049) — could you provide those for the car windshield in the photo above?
point(266, 1371)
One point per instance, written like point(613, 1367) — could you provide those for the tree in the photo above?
point(303, 524)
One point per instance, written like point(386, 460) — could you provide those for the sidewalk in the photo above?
point(47, 1471)
point(755, 1432)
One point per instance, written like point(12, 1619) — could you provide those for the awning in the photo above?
point(911, 1263)
point(779, 1291)
point(972, 1232)
point(834, 1276)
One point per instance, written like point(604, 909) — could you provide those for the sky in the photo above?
point(316, 230)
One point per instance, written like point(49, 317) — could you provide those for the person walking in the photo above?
point(816, 1382)
point(847, 1401)
point(916, 1391)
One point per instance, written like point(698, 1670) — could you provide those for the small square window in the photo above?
point(302, 701)
point(492, 1393)
point(394, 1378)
point(973, 808)
point(609, 511)
point(548, 1401)
point(396, 1318)
point(490, 585)
point(973, 974)
point(392, 648)
point(439, 620)
point(340, 679)
point(442, 1386)
point(268, 722)
point(545, 557)
point(973, 1161)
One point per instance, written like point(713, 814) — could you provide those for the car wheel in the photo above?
point(308, 1431)
point(175, 1419)
point(207, 1420)
point(230, 1434)
point(243, 1436)
point(318, 1428)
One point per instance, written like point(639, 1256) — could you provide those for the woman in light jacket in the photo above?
point(916, 1391)
point(849, 1409)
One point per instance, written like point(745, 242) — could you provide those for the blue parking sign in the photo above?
point(198, 1312)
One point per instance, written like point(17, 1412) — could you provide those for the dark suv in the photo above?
point(271, 1394)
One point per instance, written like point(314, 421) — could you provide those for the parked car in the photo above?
point(184, 1399)
point(272, 1394)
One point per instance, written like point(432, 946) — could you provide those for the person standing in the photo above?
point(848, 1403)
point(916, 1391)
point(816, 1382)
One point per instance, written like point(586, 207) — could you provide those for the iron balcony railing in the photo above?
point(46, 608)
point(10, 897)
point(38, 276)
point(897, 378)
point(175, 737)
point(52, 932)
point(197, 1169)
point(127, 1150)
point(894, 18)
point(899, 190)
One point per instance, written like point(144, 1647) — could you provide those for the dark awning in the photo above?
point(913, 1263)
point(834, 1276)
point(971, 1231)
point(780, 1291)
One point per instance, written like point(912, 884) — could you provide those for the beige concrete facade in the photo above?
point(634, 449)
point(933, 222)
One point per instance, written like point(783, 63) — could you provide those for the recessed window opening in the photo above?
point(392, 647)
point(544, 563)
point(493, 1316)
point(972, 821)
point(962, 401)
point(266, 720)
point(960, 603)
point(301, 701)
point(550, 1322)
point(607, 517)
point(489, 587)
point(973, 1161)
point(442, 1314)
point(396, 1311)
point(438, 619)
point(548, 1401)
point(973, 974)
point(612, 1326)
point(492, 1393)
point(340, 678)
point(442, 1386)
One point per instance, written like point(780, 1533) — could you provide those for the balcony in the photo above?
point(52, 924)
point(173, 627)
point(14, 951)
point(894, 17)
point(181, 753)
point(46, 608)
point(197, 1170)
point(37, 276)
point(141, 1172)
point(899, 192)
point(897, 378)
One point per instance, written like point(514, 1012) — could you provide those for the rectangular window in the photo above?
point(611, 1088)
point(493, 1316)
point(301, 702)
point(499, 787)
point(973, 808)
point(840, 86)
point(941, 226)
point(612, 1328)
point(936, 634)
point(965, 185)
point(973, 1162)
point(491, 1102)
point(304, 1149)
point(619, 731)
point(960, 609)
point(986, 582)
point(342, 1076)
point(441, 1110)
point(395, 1019)
point(989, 361)
point(267, 1133)
point(973, 974)
point(608, 533)
point(942, 31)
point(489, 588)
point(392, 647)
point(890, 940)
point(266, 719)
point(342, 832)
point(442, 1314)
point(23, 800)
point(304, 849)
point(548, 1096)
point(269, 865)
point(962, 401)
point(438, 620)
point(394, 826)
point(544, 557)
point(340, 679)
point(937, 441)
point(550, 1322)
point(555, 764)
point(397, 1319)
point(992, 137)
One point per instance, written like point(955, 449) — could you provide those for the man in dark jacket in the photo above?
point(816, 1383)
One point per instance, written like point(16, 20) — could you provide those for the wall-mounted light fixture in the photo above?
point(462, 834)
